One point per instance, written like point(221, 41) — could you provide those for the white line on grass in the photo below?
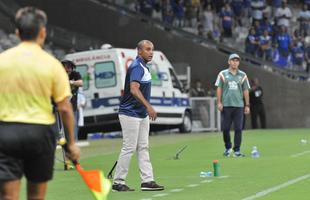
point(206, 181)
point(177, 177)
point(278, 187)
point(192, 185)
point(177, 190)
point(223, 176)
point(300, 154)
point(181, 189)
point(160, 195)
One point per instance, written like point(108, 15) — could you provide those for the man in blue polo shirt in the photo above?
point(134, 114)
point(232, 90)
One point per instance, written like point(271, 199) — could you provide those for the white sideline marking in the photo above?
point(177, 190)
point(206, 181)
point(300, 154)
point(192, 185)
point(146, 199)
point(278, 187)
point(160, 195)
point(176, 177)
point(223, 176)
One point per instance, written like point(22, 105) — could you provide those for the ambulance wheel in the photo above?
point(186, 126)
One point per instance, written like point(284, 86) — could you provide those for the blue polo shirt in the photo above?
point(138, 72)
point(283, 40)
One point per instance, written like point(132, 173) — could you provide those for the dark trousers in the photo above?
point(258, 111)
point(235, 115)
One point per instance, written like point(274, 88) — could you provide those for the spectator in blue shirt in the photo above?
point(266, 25)
point(283, 40)
point(276, 3)
point(146, 7)
point(298, 56)
point(265, 42)
point(251, 43)
point(167, 14)
point(258, 29)
point(247, 8)
point(278, 59)
point(178, 10)
point(237, 7)
point(227, 20)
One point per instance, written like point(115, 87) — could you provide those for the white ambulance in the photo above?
point(103, 72)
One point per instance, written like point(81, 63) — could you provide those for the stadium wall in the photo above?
point(286, 100)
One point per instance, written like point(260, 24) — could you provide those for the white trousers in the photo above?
point(135, 138)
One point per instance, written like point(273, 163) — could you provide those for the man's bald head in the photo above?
point(145, 50)
point(141, 44)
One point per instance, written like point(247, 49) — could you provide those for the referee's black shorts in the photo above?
point(26, 149)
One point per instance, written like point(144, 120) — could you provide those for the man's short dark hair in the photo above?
point(28, 22)
point(68, 63)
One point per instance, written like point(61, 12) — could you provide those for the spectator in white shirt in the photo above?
point(304, 19)
point(283, 15)
point(257, 7)
point(208, 19)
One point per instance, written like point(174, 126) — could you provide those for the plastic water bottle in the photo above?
point(303, 141)
point(205, 174)
point(254, 152)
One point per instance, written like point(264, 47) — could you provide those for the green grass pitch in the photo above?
point(282, 172)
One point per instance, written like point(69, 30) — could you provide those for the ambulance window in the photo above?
point(175, 81)
point(105, 75)
point(156, 81)
point(83, 70)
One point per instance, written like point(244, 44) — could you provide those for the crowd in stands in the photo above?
point(273, 30)
point(273, 36)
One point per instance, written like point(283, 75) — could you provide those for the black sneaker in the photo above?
point(121, 188)
point(151, 186)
